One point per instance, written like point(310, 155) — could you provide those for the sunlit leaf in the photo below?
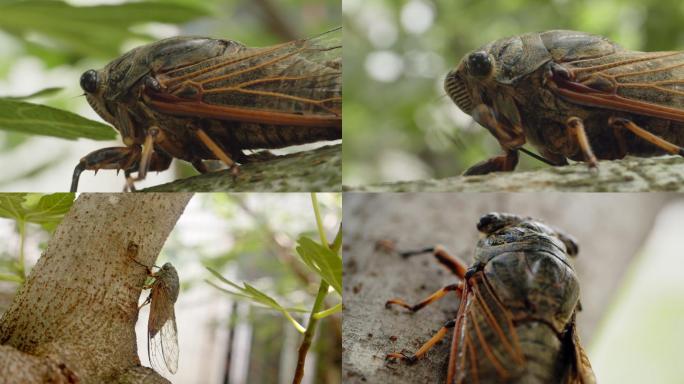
point(20, 116)
point(45, 210)
point(326, 263)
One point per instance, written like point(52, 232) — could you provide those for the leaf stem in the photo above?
point(310, 331)
point(21, 269)
point(319, 222)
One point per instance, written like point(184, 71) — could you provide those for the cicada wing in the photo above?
point(645, 83)
point(162, 335)
point(579, 371)
point(294, 83)
point(488, 346)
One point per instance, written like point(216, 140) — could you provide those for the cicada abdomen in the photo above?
point(571, 95)
point(516, 318)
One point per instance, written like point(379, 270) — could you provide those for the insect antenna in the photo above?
point(534, 155)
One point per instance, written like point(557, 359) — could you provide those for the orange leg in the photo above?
point(429, 300)
point(646, 135)
point(453, 263)
point(579, 135)
point(426, 347)
point(215, 148)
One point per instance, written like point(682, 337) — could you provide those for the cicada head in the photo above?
point(465, 84)
point(93, 83)
point(513, 232)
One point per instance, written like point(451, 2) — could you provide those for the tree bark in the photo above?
point(318, 170)
point(74, 318)
point(631, 174)
point(607, 242)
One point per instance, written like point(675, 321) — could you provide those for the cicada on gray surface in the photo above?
point(572, 95)
point(519, 299)
point(196, 98)
point(162, 334)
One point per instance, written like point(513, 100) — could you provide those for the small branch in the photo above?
point(310, 331)
point(314, 170)
point(631, 174)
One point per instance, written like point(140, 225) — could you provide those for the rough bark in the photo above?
point(74, 318)
point(318, 170)
point(631, 174)
point(607, 243)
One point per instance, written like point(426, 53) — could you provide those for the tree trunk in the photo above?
point(74, 318)
point(607, 242)
point(631, 174)
point(318, 170)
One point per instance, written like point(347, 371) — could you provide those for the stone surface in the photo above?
point(607, 243)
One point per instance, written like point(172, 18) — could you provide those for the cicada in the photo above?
point(162, 335)
point(519, 299)
point(572, 95)
point(196, 98)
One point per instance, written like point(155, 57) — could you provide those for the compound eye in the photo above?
point(89, 81)
point(479, 64)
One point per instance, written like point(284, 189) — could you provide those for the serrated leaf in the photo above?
point(45, 210)
point(20, 116)
point(11, 205)
point(49, 211)
point(326, 263)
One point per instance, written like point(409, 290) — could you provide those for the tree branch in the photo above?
point(631, 174)
point(74, 319)
point(310, 171)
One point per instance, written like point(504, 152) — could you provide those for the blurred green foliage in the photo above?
point(400, 126)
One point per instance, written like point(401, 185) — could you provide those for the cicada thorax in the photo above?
point(522, 302)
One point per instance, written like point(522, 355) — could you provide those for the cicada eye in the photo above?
point(89, 81)
point(479, 64)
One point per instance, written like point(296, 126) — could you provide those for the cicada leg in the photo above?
point(579, 135)
point(215, 149)
point(646, 135)
point(106, 158)
point(458, 287)
point(150, 160)
point(425, 347)
point(510, 138)
point(453, 263)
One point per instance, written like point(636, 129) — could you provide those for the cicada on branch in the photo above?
point(195, 98)
point(518, 303)
point(572, 95)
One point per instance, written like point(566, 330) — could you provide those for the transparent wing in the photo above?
point(295, 83)
point(162, 335)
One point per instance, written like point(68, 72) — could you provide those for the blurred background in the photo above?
point(246, 238)
point(398, 52)
point(47, 44)
point(630, 269)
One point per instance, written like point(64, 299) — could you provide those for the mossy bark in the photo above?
point(318, 170)
point(631, 174)
point(74, 318)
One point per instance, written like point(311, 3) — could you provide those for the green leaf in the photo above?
point(257, 296)
point(20, 116)
point(91, 31)
point(42, 93)
point(45, 210)
point(11, 278)
point(326, 263)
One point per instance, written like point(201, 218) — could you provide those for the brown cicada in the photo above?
point(572, 95)
point(162, 335)
point(197, 98)
point(516, 318)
